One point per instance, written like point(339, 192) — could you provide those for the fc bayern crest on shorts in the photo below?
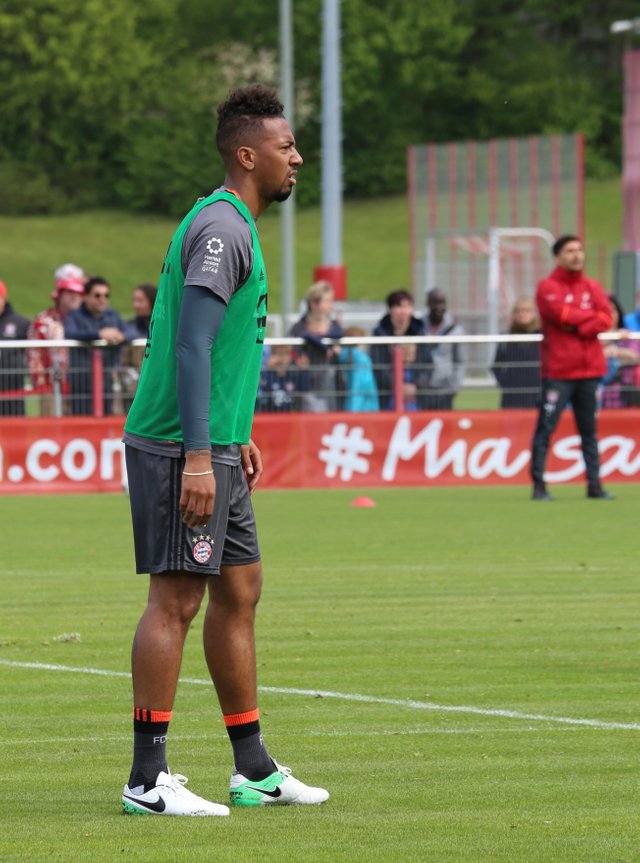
point(202, 548)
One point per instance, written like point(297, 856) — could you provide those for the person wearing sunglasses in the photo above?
point(94, 320)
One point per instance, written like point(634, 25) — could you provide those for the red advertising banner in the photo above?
point(70, 454)
point(75, 454)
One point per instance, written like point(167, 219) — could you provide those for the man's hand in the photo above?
point(251, 464)
point(112, 335)
point(198, 492)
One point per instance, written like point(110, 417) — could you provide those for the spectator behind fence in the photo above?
point(143, 299)
point(413, 379)
point(631, 321)
point(517, 364)
point(317, 323)
point(360, 389)
point(12, 360)
point(399, 321)
point(573, 310)
point(94, 320)
point(70, 271)
point(621, 383)
point(49, 366)
point(447, 371)
point(282, 383)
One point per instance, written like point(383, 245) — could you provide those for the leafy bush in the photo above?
point(25, 191)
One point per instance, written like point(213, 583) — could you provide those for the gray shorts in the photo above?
point(163, 543)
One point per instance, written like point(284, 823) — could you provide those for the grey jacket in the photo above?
point(448, 360)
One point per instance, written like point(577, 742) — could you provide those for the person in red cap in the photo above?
point(48, 366)
point(12, 365)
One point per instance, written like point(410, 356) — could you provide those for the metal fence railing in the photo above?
point(68, 378)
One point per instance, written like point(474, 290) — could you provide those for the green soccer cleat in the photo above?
point(279, 788)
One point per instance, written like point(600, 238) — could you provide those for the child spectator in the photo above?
point(361, 392)
point(620, 384)
point(412, 373)
point(282, 382)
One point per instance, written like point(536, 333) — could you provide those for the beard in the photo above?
point(282, 195)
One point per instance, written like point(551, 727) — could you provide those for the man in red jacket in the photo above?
point(573, 310)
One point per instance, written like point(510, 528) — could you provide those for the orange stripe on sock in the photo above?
point(161, 715)
point(142, 714)
point(242, 718)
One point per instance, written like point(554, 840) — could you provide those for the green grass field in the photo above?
point(424, 621)
point(128, 249)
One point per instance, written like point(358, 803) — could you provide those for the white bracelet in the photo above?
point(199, 473)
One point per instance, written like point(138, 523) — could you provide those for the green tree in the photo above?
point(115, 103)
point(72, 76)
point(401, 72)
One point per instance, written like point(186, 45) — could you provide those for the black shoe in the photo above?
point(600, 494)
point(540, 493)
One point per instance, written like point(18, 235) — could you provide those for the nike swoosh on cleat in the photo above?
point(156, 806)
point(277, 792)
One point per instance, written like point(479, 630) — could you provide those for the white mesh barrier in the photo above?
point(402, 373)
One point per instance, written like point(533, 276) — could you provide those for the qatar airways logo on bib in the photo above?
point(212, 258)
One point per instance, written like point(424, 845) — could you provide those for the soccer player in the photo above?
point(192, 466)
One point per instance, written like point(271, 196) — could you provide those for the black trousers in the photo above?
point(555, 396)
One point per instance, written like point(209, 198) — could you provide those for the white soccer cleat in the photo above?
point(169, 797)
point(279, 788)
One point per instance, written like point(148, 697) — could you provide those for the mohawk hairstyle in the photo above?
point(240, 116)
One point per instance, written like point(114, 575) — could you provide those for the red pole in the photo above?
point(432, 183)
point(533, 181)
point(411, 182)
point(631, 152)
point(539, 267)
point(555, 184)
point(452, 167)
point(98, 393)
point(398, 379)
point(513, 180)
point(580, 184)
point(492, 152)
point(336, 275)
point(471, 183)
point(472, 189)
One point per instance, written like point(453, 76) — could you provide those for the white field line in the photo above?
point(363, 699)
point(407, 732)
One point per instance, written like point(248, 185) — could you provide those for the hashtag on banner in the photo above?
point(344, 449)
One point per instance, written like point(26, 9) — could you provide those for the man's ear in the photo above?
point(246, 158)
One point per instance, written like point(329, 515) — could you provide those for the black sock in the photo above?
point(149, 747)
point(249, 752)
